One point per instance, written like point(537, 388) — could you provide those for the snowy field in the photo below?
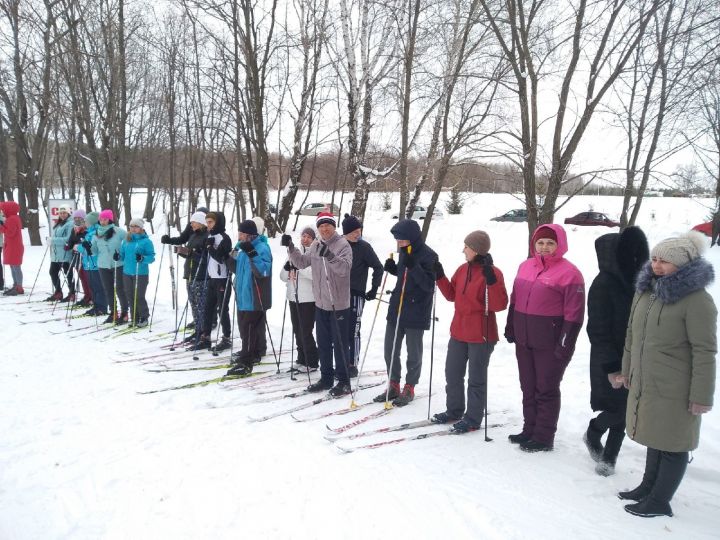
point(84, 455)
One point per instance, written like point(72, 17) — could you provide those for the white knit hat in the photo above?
point(680, 250)
point(260, 224)
point(198, 217)
point(137, 222)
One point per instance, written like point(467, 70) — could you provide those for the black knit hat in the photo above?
point(350, 224)
point(248, 227)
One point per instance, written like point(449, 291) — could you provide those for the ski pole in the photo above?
point(388, 405)
point(432, 349)
point(172, 273)
point(300, 327)
point(32, 289)
point(487, 350)
point(267, 326)
point(135, 295)
point(223, 310)
point(282, 337)
point(337, 329)
point(199, 330)
point(157, 284)
point(354, 405)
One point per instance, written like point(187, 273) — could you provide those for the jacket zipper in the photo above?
point(642, 354)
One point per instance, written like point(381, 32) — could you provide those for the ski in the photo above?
point(103, 328)
point(337, 412)
point(387, 429)
point(199, 384)
point(372, 446)
point(377, 414)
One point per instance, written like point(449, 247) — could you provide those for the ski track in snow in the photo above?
point(83, 455)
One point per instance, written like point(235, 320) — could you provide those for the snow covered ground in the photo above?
point(84, 455)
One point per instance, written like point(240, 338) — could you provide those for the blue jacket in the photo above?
point(89, 261)
point(138, 243)
point(58, 239)
point(104, 248)
point(253, 274)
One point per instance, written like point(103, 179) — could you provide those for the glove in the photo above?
point(88, 247)
point(110, 233)
point(409, 260)
point(390, 265)
point(325, 252)
point(248, 248)
point(286, 240)
point(116, 256)
point(67, 247)
point(165, 239)
point(138, 257)
point(210, 243)
point(371, 295)
point(489, 274)
point(510, 338)
point(289, 267)
point(439, 270)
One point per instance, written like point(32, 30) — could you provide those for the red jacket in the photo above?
point(12, 229)
point(467, 289)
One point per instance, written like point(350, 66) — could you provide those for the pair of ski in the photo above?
point(199, 384)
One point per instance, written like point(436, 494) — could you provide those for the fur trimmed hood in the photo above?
point(689, 278)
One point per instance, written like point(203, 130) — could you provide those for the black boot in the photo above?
point(592, 441)
point(240, 370)
point(670, 474)
point(606, 465)
point(652, 464)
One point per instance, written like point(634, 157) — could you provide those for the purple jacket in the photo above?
point(547, 304)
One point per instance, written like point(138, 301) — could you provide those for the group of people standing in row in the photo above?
point(651, 322)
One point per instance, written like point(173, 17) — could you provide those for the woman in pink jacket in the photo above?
point(547, 306)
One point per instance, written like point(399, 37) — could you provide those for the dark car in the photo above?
point(519, 214)
point(591, 218)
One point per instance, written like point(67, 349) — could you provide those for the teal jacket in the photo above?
point(138, 244)
point(58, 239)
point(89, 260)
point(105, 248)
point(252, 278)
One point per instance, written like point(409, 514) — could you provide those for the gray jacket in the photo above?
point(331, 289)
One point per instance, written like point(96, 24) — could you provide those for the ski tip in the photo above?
point(344, 449)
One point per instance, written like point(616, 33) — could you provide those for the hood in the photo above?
point(561, 239)
point(606, 250)
point(219, 223)
point(10, 208)
point(695, 275)
point(632, 252)
point(408, 229)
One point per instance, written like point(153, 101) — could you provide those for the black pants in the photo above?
point(302, 316)
point(249, 321)
point(331, 328)
point(113, 284)
point(357, 303)
point(217, 296)
point(135, 287)
point(414, 345)
point(66, 268)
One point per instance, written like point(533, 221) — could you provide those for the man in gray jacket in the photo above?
point(330, 258)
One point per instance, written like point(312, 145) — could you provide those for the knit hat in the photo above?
point(680, 250)
point(309, 231)
point(137, 222)
point(65, 208)
point(478, 241)
point(92, 218)
point(325, 217)
point(106, 214)
point(350, 224)
point(248, 227)
point(198, 217)
point(201, 209)
point(545, 232)
point(79, 213)
point(260, 224)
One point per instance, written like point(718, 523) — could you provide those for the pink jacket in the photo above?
point(547, 304)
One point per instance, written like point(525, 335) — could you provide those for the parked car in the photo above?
point(313, 209)
point(591, 218)
point(420, 212)
point(519, 214)
point(705, 228)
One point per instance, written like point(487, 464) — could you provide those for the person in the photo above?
point(668, 366)
point(77, 235)
point(61, 257)
point(478, 290)
point(364, 258)
point(547, 307)
point(715, 238)
point(253, 293)
point(13, 249)
point(415, 270)
point(620, 257)
point(136, 254)
point(260, 329)
point(106, 244)
point(330, 258)
point(299, 293)
point(218, 246)
point(90, 266)
point(2, 243)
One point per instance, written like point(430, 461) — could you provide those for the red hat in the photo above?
point(545, 232)
point(325, 217)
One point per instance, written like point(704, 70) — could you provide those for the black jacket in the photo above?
point(196, 260)
point(220, 252)
point(620, 257)
point(420, 286)
point(364, 258)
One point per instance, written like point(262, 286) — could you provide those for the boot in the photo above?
point(54, 297)
point(606, 465)
point(122, 318)
point(352, 371)
point(465, 426)
point(202, 344)
point(592, 441)
point(222, 345)
point(14, 291)
point(319, 386)
point(652, 464)
point(390, 395)
point(111, 318)
point(69, 298)
point(141, 322)
point(670, 473)
point(519, 438)
point(340, 389)
point(240, 370)
point(406, 396)
point(83, 302)
point(443, 418)
point(535, 446)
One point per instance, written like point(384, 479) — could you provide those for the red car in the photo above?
point(705, 228)
point(591, 218)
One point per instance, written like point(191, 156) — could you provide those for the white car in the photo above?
point(420, 213)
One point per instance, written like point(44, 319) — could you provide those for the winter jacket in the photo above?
point(59, 239)
point(471, 322)
point(89, 260)
point(105, 247)
point(547, 304)
point(364, 258)
point(420, 286)
point(332, 272)
point(137, 244)
point(304, 284)
point(220, 251)
point(620, 257)
point(13, 249)
point(196, 259)
point(669, 356)
point(253, 275)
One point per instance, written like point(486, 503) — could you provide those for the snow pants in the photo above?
point(17, 275)
point(217, 296)
point(113, 284)
point(302, 316)
point(197, 293)
point(331, 329)
point(414, 347)
point(476, 357)
point(248, 321)
point(138, 303)
point(98, 293)
point(540, 376)
point(66, 269)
